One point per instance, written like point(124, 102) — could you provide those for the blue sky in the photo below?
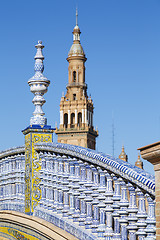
point(121, 39)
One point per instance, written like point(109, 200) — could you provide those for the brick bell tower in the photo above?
point(76, 109)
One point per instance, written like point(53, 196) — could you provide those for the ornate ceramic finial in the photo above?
point(139, 162)
point(123, 155)
point(38, 86)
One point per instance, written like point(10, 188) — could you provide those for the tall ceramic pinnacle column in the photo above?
point(38, 131)
point(38, 86)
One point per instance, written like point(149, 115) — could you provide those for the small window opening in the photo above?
point(72, 120)
point(74, 96)
point(66, 120)
point(80, 119)
point(74, 76)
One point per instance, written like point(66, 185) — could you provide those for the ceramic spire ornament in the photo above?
point(38, 86)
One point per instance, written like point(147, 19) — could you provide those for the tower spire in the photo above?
point(76, 16)
point(76, 30)
point(139, 162)
point(38, 86)
point(123, 155)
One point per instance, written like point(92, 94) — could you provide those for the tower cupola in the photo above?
point(76, 48)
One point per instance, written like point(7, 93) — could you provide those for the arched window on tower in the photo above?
point(74, 76)
point(65, 120)
point(74, 96)
point(72, 120)
point(79, 119)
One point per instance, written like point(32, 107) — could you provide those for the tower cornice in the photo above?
point(76, 57)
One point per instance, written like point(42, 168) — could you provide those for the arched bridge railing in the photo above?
point(88, 194)
point(12, 179)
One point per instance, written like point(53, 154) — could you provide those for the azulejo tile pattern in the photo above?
point(32, 168)
point(12, 231)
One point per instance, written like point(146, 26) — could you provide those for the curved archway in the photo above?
point(15, 225)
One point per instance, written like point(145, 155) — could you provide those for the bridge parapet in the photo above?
point(95, 192)
point(88, 194)
point(12, 173)
point(117, 166)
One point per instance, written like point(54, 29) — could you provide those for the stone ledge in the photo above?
point(151, 152)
